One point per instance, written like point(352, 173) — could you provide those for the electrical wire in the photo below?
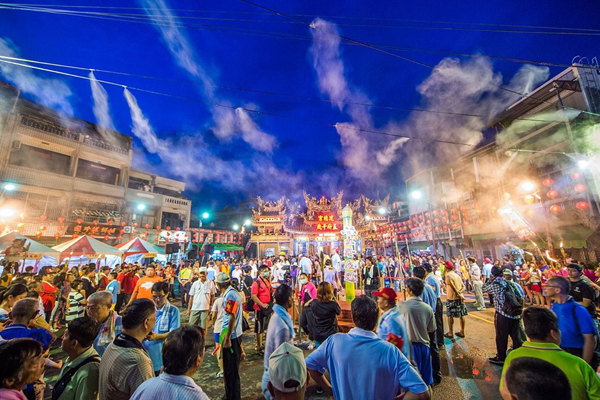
point(263, 92)
point(250, 110)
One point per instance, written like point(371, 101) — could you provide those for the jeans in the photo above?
point(185, 293)
point(506, 327)
point(439, 322)
point(435, 357)
point(231, 369)
point(265, 382)
point(477, 285)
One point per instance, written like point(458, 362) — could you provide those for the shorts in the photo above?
point(536, 287)
point(217, 336)
point(198, 318)
point(456, 309)
point(261, 320)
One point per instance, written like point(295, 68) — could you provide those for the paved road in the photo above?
point(467, 373)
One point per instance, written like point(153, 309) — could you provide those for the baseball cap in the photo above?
point(287, 368)
point(387, 293)
point(507, 271)
point(487, 260)
point(449, 265)
point(222, 277)
point(202, 269)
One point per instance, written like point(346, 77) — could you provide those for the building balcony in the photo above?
point(82, 185)
point(33, 177)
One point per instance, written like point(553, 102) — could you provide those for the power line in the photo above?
point(322, 16)
point(263, 92)
point(250, 110)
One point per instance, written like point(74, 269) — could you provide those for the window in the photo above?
point(40, 159)
point(97, 172)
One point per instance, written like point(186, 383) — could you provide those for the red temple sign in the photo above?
point(327, 222)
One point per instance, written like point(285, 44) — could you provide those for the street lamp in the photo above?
point(248, 222)
point(527, 186)
point(236, 227)
point(205, 215)
point(141, 207)
point(416, 194)
point(382, 210)
point(9, 187)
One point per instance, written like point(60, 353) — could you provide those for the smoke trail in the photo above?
point(101, 108)
point(227, 122)
point(49, 92)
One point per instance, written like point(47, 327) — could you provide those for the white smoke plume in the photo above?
point(228, 123)
point(101, 108)
point(49, 92)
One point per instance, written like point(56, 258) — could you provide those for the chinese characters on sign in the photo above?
point(91, 229)
point(327, 222)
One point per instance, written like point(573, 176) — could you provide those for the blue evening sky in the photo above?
point(251, 49)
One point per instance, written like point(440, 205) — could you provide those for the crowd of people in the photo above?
point(124, 338)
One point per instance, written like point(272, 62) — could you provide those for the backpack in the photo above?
point(513, 302)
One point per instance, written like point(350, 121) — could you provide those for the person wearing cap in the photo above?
point(420, 322)
point(455, 304)
point(231, 336)
point(383, 371)
point(508, 275)
point(392, 324)
point(281, 329)
point(486, 271)
point(288, 377)
point(201, 297)
point(506, 325)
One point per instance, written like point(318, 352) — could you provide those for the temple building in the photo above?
point(283, 226)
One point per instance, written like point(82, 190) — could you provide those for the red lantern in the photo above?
point(428, 230)
point(446, 227)
point(580, 187)
point(156, 239)
point(135, 232)
point(61, 219)
point(79, 220)
point(56, 235)
point(547, 182)
point(435, 213)
point(187, 229)
point(168, 234)
point(60, 228)
point(147, 226)
point(177, 228)
point(135, 224)
point(106, 237)
point(121, 231)
point(466, 223)
point(437, 228)
point(582, 205)
point(437, 220)
point(455, 226)
point(43, 218)
point(95, 222)
point(552, 194)
point(555, 209)
point(123, 223)
point(110, 222)
point(576, 176)
point(445, 219)
point(43, 228)
point(75, 236)
point(146, 233)
point(158, 227)
point(119, 238)
point(428, 222)
point(427, 214)
point(454, 217)
point(168, 228)
point(444, 212)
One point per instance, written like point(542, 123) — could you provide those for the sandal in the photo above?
point(460, 335)
point(449, 335)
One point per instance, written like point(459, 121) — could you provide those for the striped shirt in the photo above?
point(76, 308)
point(172, 387)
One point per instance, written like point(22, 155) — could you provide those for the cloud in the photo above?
point(228, 122)
point(101, 108)
point(49, 92)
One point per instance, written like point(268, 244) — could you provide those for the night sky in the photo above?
point(226, 155)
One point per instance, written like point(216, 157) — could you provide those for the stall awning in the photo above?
point(35, 250)
point(227, 247)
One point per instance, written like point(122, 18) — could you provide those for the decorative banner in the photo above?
point(516, 223)
point(350, 272)
point(91, 229)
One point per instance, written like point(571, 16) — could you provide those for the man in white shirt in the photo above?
point(202, 295)
point(237, 272)
point(336, 261)
point(475, 274)
point(305, 266)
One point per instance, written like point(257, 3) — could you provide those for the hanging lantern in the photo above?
point(135, 232)
point(95, 222)
point(555, 209)
point(135, 224)
point(61, 219)
point(168, 228)
point(454, 217)
point(582, 205)
point(428, 230)
point(156, 239)
point(147, 226)
point(187, 229)
point(552, 194)
point(20, 226)
point(75, 236)
point(38, 234)
point(79, 220)
point(43, 218)
point(110, 222)
point(178, 228)
point(146, 233)
point(436, 221)
point(60, 228)
point(446, 227)
point(157, 227)
point(453, 211)
point(428, 222)
point(437, 228)
point(466, 223)
point(455, 226)
point(168, 233)
point(576, 176)
point(43, 228)
point(56, 235)
point(529, 199)
point(106, 237)
point(122, 223)
point(580, 187)
point(547, 182)
point(119, 237)
point(445, 219)
point(444, 212)
point(121, 231)
point(435, 213)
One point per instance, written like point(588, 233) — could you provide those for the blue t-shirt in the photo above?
point(18, 331)
point(570, 335)
point(154, 347)
point(113, 287)
point(232, 295)
point(433, 283)
point(428, 297)
point(392, 321)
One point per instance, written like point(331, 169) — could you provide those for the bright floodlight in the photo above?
point(583, 164)
point(527, 186)
point(6, 212)
point(248, 222)
point(236, 227)
point(381, 210)
point(9, 187)
point(205, 215)
point(368, 218)
point(416, 195)
point(141, 207)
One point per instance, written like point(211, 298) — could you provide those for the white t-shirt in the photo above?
point(306, 265)
point(202, 292)
point(254, 272)
point(236, 273)
point(218, 308)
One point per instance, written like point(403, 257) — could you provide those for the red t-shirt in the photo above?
point(48, 296)
point(262, 289)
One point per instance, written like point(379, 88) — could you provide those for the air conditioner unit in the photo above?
point(128, 229)
point(16, 144)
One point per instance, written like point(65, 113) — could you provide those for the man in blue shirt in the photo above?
point(391, 321)
point(433, 283)
point(578, 332)
point(167, 320)
point(383, 368)
point(231, 347)
point(22, 313)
